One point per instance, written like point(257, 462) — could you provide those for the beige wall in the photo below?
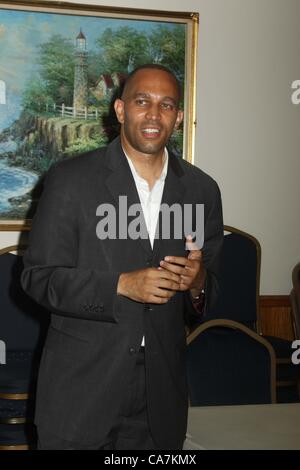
point(248, 135)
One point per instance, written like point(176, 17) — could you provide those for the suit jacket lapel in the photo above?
point(121, 183)
point(173, 193)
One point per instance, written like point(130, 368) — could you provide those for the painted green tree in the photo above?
point(55, 78)
point(56, 60)
point(167, 47)
point(122, 49)
point(35, 96)
point(127, 48)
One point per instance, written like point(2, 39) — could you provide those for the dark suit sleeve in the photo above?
point(50, 275)
point(211, 252)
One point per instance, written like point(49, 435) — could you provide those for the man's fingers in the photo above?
point(181, 260)
point(184, 286)
point(185, 279)
point(167, 274)
point(195, 252)
point(173, 268)
point(164, 293)
point(167, 284)
point(195, 255)
point(190, 245)
point(176, 264)
point(182, 269)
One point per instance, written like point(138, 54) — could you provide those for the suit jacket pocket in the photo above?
point(65, 343)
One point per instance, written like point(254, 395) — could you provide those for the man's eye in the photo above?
point(141, 102)
point(167, 106)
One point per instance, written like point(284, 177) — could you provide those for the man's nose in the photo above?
point(153, 112)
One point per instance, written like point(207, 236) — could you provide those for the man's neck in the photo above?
point(149, 167)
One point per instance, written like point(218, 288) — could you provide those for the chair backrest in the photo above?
point(295, 299)
point(23, 323)
point(229, 364)
point(239, 279)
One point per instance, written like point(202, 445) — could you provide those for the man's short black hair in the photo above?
point(152, 67)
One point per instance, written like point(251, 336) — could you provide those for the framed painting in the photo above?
point(61, 67)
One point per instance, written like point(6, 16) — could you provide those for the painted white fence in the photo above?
point(70, 111)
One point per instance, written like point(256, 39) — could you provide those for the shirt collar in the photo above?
point(163, 174)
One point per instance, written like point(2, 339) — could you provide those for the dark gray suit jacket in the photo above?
point(94, 334)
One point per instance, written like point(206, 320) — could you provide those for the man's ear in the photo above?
point(119, 110)
point(178, 119)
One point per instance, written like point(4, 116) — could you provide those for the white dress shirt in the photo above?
point(150, 200)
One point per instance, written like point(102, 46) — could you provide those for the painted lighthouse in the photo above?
point(80, 96)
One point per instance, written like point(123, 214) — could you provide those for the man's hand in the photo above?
point(150, 285)
point(191, 270)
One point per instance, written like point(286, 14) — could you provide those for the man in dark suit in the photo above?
point(112, 374)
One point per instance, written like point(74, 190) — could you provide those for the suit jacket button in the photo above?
point(132, 350)
point(147, 308)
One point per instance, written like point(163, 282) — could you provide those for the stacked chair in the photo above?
point(23, 325)
point(295, 300)
point(238, 303)
point(229, 364)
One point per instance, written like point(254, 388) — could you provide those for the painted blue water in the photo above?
point(14, 182)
